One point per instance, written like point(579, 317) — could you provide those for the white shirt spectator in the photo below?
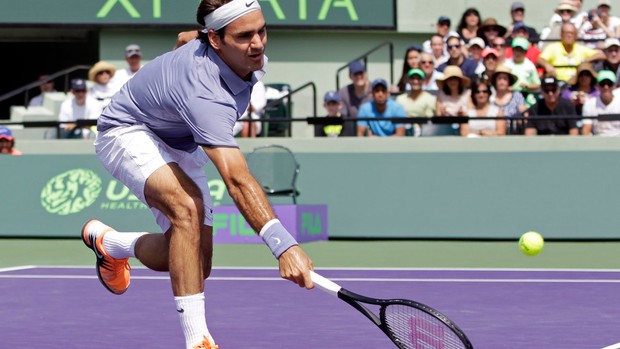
point(71, 112)
point(121, 77)
point(595, 107)
point(258, 100)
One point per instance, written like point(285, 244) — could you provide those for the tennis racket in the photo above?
point(409, 324)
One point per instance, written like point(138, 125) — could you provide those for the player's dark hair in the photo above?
point(206, 7)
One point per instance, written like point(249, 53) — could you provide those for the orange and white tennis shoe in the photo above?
point(206, 344)
point(113, 273)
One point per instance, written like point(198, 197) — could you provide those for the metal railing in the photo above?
point(26, 88)
point(364, 57)
point(285, 99)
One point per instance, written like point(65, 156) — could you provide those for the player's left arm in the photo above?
point(252, 202)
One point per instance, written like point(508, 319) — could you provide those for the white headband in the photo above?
point(227, 13)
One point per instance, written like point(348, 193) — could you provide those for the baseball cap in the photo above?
point(444, 20)
point(517, 5)
point(6, 133)
point(489, 51)
point(604, 3)
point(476, 42)
point(521, 43)
point(609, 42)
point(331, 96)
point(549, 81)
point(78, 84)
point(132, 50)
point(379, 82)
point(416, 71)
point(356, 67)
point(606, 75)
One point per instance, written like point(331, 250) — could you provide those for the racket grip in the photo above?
point(325, 284)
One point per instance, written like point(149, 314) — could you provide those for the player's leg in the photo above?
point(152, 250)
point(172, 192)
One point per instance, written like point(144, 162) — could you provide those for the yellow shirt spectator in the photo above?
point(556, 55)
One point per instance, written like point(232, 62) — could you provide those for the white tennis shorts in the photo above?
point(131, 154)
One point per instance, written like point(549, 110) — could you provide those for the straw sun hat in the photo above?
point(99, 67)
point(452, 71)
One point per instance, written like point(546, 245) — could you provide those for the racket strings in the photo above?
point(416, 329)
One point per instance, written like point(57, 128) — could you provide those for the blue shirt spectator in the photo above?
point(381, 107)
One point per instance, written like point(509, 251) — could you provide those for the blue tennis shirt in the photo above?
point(187, 97)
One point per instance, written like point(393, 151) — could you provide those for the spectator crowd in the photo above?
point(507, 78)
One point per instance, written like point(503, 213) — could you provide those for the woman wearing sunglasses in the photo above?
point(483, 109)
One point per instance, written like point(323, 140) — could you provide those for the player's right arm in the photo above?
point(252, 202)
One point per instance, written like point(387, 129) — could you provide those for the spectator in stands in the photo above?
point(611, 22)
point(594, 31)
point(489, 30)
point(490, 61)
point(431, 75)
point(566, 12)
point(7, 142)
point(438, 49)
point(133, 56)
point(604, 104)
point(457, 58)
point(566, 53)
point(80, 107)
point(333, 105)
point(482, 108)
point(356, 93)
point(469, 24)
point(453, 96)
point(499, 44)
point(520, 31)
point(581, 86)
point(381, 106)
point(417, 102)
point(436, 44)
point(44, 86)
point(101, 75)
point(517, 13)
point(523, 68)
point(511, 102)
point(258, 101)
point(552, 105)
point(475, 47)
point(612, 57)
point(410, 61)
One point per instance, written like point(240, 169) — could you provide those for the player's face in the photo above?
point(243, 45)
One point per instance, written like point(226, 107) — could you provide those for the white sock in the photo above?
point(191, 311)
point(120, 245)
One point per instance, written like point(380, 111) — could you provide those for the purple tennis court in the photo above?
point(55, 308)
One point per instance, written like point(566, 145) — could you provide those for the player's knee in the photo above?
point(189, 211)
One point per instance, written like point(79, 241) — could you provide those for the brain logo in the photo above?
point(71, 192)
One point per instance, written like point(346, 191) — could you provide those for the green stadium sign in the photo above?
point(378, 14)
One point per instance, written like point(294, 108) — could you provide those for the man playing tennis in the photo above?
point(156, 135)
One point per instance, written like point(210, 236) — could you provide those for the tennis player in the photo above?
point(157, 134)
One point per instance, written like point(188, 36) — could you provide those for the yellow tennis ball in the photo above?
point(531, 243)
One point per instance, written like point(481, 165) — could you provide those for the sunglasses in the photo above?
point(450, 47)
point(550, 90)
point(498, 45)
point(104, 72)
point(481, 91)
point(606, 83)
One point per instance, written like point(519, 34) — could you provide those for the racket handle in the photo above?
point(325, 284)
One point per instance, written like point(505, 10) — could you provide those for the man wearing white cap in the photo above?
point(133, 56)
point(156, 135)
point(611, 49)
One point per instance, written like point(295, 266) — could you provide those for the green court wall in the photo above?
point(444, 187)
